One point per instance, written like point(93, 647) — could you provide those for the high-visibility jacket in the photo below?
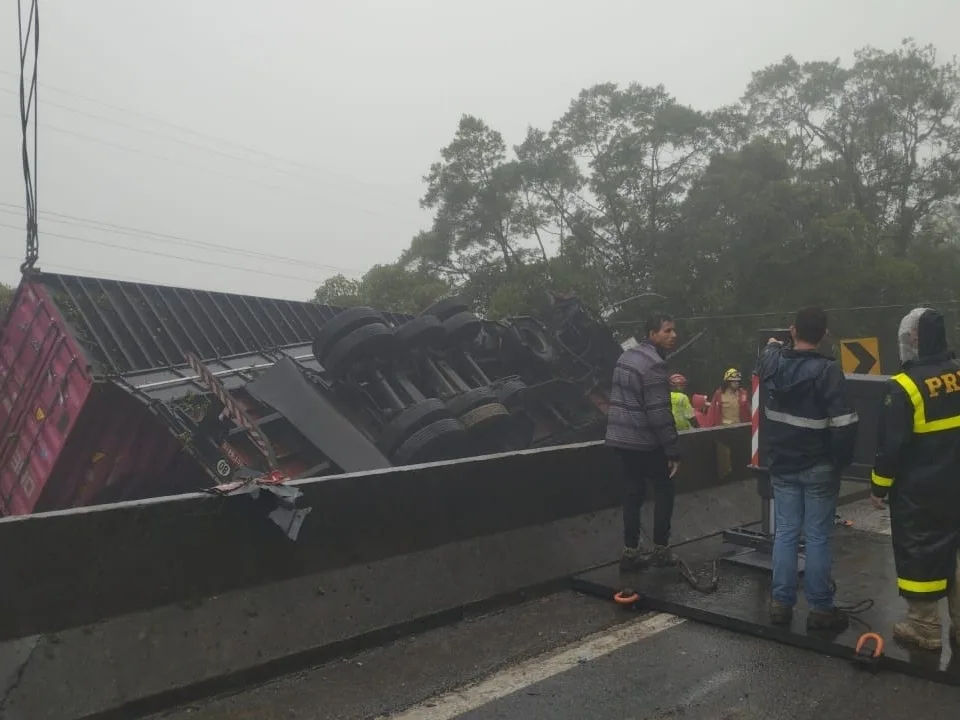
point(918, 464)
point(683, 411)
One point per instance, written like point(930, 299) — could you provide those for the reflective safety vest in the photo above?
point(918, 464)
point(682, 410)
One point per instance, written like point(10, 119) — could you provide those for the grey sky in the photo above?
point(360, 95)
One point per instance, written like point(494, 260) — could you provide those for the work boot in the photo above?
point(924, 636)
point(833, 620)
point(631, 560)
point(780, 614)
point(662, 556)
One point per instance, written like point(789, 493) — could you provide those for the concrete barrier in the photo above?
point(135, 606)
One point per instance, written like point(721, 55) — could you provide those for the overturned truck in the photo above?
point(116, 391)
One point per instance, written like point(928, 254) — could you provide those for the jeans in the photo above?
point(641, 466)
point(805, 501)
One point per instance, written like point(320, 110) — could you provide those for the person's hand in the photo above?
point(877, 502)
point(773, 340)
point(673, 466)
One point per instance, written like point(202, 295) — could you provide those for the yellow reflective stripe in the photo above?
point(922, 586)
point(920, 424)
point(916, 399)
point(880, 480)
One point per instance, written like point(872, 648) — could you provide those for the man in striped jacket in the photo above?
point(642, 430)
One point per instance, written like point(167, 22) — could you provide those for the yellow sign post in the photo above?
point(860, 356)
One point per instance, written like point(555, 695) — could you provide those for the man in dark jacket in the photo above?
point(641, 428)
point(918, 465)
point(809, 435)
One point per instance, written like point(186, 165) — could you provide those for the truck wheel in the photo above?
point(511, 392)
point(448, 307)
point(341, 325)
point(532, 336)
point(424, 331)
point(462, 327)
point(485, 417)
point(463, 403)
point(364, 343)
point(441, 440)
point(409, 421)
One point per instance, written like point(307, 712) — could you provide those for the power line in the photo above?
point(789, 313)
point(174, 239)
point(28, 102)
point(198, 133)
point(255, 271)
point(165, 158)
point(93, 273)
point(187, 143)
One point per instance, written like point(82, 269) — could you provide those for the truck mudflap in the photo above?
point(285, 389)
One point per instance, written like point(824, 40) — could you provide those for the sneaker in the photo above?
point(925, 637)
point(780, 614)
point(631, 560)
point(663, 556)
point(830, 620)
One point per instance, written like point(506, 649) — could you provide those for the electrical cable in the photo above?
point(144, 251)
point(28, 102)
point(790, 313)
point(174, 239)
point(189, 144)
point(287, 189)
point(198, 133)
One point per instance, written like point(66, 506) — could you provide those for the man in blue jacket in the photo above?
point(809, 435)
point(641, 428)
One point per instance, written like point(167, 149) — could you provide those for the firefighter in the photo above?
point(918, 466)
point(683, 412)
point(731, 403)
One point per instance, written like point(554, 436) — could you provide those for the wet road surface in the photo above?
point(571, 657)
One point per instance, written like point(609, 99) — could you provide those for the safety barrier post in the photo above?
point(759, 544)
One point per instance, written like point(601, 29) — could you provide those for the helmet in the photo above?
point(732, 375)
point(676, 380)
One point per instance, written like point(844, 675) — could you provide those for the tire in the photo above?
point(366, 342)
point(341, 325)
point(532, 337)
point(408, 421)
point(440, 440)
point(462, 328)
point(463, 403)
point(448, 307)
point(425, 331)
point(485, 417)
point(510, 392)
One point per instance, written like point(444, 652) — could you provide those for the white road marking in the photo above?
point(510, 680)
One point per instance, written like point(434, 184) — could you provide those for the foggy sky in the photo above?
point(347, 104)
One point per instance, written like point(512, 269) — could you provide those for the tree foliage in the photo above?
point(6, 297)
point(828, 183)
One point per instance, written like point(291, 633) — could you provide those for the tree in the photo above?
point(885, 132)
point(640, 149)
point(6, 297)
point(339, 290)
point(398, 289)
point(474, 192)
point(391, 288)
